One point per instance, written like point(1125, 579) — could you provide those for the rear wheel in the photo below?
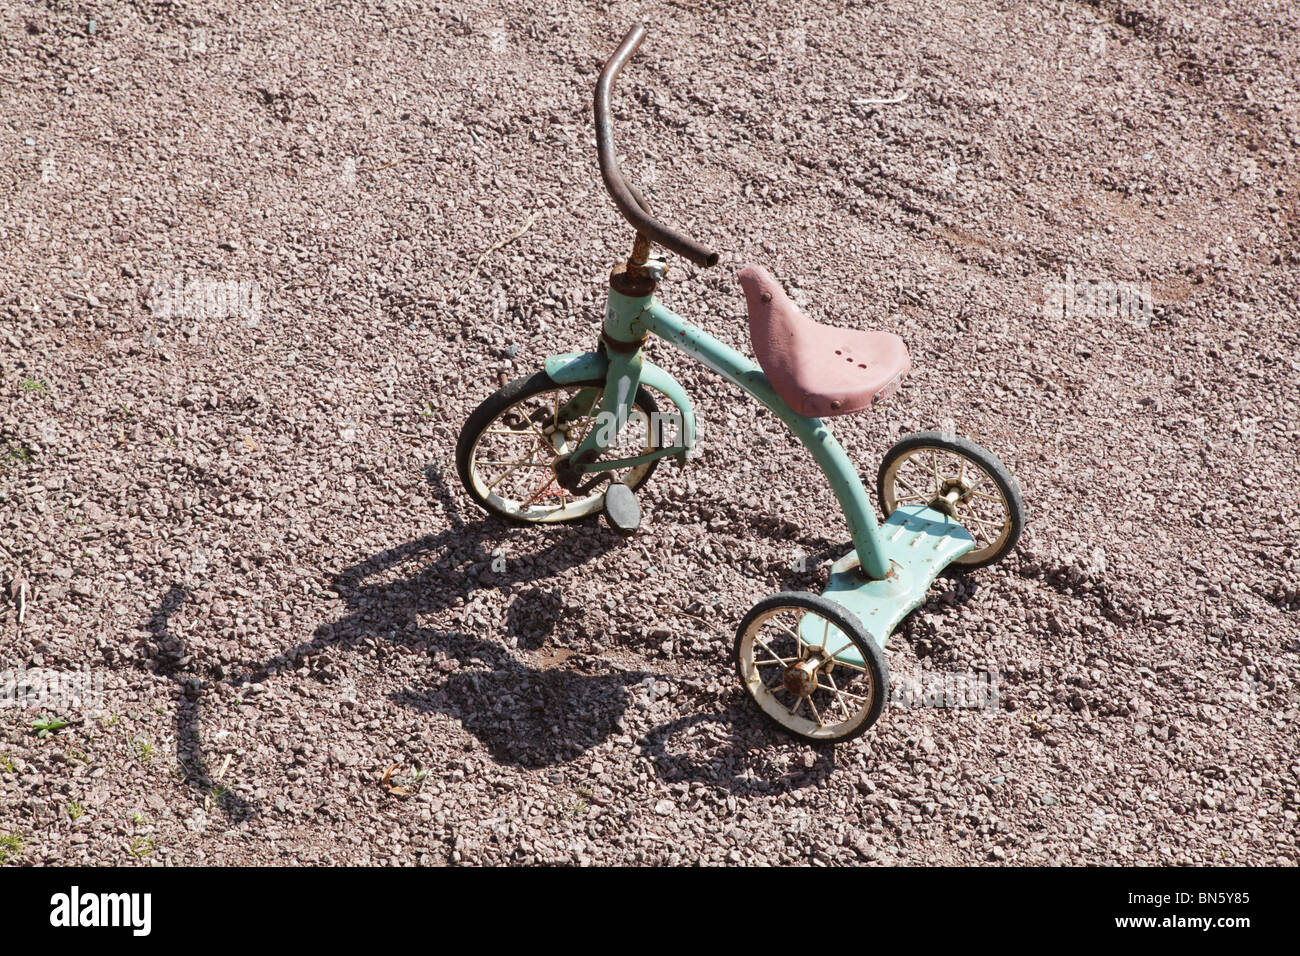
point(964, 481)
point(507, 451)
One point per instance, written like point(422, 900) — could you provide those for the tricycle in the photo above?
point(578, 437)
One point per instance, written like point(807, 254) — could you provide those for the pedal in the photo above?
point(622, 510)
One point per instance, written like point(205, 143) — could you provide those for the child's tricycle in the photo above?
point(580, 436)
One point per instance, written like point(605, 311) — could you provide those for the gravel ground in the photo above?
point(241, 510)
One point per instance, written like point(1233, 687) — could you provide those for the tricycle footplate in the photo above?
point(919, 543)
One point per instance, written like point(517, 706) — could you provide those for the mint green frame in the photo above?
point(891, 566)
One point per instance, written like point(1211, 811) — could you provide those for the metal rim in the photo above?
point(807, 688)
point(511, 463)
point(956, 484)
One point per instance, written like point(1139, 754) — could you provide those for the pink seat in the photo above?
point(820, 370)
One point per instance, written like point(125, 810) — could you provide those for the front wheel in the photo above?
point(964, 481)
point(507, 451)
point(811, 667)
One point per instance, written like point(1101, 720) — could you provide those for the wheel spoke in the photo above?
point(981, 515)
point(853, 667)
point(841, 650)
point(830, 680)
point(540, 491)
point(775, 656)
point(851, 696)
point(591, 415)
point(925, 481)
point(840, 695)
point(899, 479)
point(511, 470)
point(532, 425)
point(980, 525)
point(790, 632)
point(816, 714)
point(800, 646)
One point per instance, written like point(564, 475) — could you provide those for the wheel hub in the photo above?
point(801, 679)
point(560, 441)
point(951, 492)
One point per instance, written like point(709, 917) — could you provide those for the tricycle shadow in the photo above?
point(530, 713)
point(736, 751)
point(553, 708)
point(526, 713)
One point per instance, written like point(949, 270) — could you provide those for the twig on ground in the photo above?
point(18, 590)
point(375, 169)
point(883, 101)
point(499, 244)
point(705, 621)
